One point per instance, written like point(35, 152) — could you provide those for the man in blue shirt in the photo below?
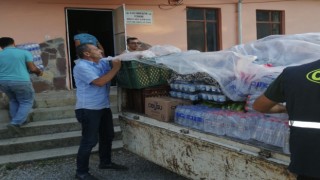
point(93, 77)
point(15, 81)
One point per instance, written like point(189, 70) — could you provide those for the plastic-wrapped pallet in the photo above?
point(36, 53)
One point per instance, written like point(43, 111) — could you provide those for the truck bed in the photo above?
point(199, 155)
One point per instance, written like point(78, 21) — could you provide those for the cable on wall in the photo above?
point(171, 4)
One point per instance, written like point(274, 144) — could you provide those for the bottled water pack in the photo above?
point(36, 53)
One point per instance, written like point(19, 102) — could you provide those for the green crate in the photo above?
point(137, 75)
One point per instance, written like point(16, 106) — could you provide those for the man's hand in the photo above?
point(116, 64)
point(101, 81)
point(40, 74)
point(33, 68)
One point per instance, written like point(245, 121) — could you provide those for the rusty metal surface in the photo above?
point(196, 157)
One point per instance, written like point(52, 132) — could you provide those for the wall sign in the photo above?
point(139, 17)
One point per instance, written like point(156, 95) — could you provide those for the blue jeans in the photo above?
point(21, 96)
point(97, 125)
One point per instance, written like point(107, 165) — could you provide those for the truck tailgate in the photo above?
point(199, 155)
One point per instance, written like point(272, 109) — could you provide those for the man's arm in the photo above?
point(101, 81)
point(33, 68)
point(76, 43)
point(265, 105)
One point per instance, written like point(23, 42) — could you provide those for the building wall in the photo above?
point(40, 21)
point(300, 16)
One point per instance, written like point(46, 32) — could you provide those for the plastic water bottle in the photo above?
point(191, 88)
point(171, 86)
point(244, 125)
point(281, 116)
point(239, 125)
point(259, 127)
point(262, 84)
point(249, 121)
point(173, 93)
point(286, 145)
point(186, 118)
point(179, 95)
point(230, 123)
point(221, 98)
point(270, 129)
point(183, 117)
point(202, 87)
point(252, 123)
point(279, 134)
point(207, 120)
point(27, 47)
point(266, 131)
point(195, 113)
point(176, 86)
point(200, 114)
point(219, 125)
point(189, 118)
point(194, 97)
point(38, 49)
point(40, 64)
point(178, 114)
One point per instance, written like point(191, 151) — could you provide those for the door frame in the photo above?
point(70, 43)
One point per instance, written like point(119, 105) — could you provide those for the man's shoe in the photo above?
point(14, 127)
point(86, 176)
point(25, 123)
point(113, 166)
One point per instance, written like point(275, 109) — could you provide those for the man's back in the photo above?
point(301, 92)
point(13, 64)
point(301, 87)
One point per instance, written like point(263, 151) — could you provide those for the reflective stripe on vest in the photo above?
point(305, 124)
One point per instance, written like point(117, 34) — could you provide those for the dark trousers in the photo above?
point(96, 125)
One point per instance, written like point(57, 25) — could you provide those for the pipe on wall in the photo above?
point(240, 22)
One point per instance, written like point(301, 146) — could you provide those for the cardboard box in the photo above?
point(133, 100)
point(162, 108)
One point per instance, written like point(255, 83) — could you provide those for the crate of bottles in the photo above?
point(137, 75)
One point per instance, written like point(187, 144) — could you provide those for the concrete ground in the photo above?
point(64, 169)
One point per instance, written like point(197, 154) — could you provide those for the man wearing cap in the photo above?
point(84, 38)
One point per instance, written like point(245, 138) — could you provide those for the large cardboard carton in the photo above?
point(162, 108)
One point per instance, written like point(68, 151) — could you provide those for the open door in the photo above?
point(119, 29)
point(108, 28)
point(101, 28)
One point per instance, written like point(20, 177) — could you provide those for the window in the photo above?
point(203, 29)
point(269, 23)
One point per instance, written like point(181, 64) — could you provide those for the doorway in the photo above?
point(96, 22)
